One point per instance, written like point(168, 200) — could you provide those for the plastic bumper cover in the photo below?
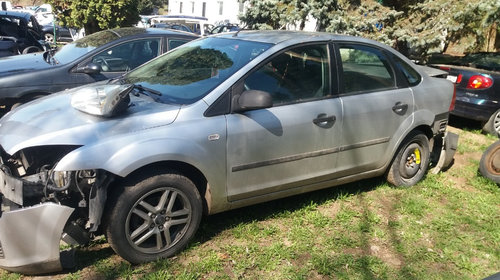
point(448, 149)
point(30, 238)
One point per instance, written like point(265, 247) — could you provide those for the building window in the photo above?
point(204, 9)
point(180, 8)
point(221, 5)
point(192, 7)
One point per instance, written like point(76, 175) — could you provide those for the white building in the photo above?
point(217, 11)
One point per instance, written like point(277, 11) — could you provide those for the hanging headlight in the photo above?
point(102, 100)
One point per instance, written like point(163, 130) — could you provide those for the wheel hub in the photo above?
point(160, 219)
point(412, 163)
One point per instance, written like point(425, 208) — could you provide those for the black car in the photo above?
point(477, 79)
point(63, 34)
point(20, 33)
point(228, 27)
point(99, 56)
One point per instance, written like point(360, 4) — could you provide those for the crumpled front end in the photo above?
point(41, 206)
point(30, 238)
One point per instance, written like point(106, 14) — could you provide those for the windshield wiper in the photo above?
point(145, 90)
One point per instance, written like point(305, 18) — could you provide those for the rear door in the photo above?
point(376, 108)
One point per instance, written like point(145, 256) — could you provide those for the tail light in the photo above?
point(452, 104)
point(480, 82)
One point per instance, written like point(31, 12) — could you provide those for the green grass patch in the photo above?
point(445, 227)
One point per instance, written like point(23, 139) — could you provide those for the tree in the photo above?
point(147, 7)
point(414, 27)
point(96, 15)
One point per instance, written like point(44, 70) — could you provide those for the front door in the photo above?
point(295, 142)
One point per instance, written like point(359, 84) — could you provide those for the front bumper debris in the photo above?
point(30, 238)
point(448, 149)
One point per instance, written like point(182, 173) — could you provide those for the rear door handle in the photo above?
point(400, 108)
point(325, 121)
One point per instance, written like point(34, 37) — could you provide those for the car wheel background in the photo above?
point(49, 37)
point(411, 161)
point(492, 126)
point(489, 166)
point(153, 217)
point(31, 49)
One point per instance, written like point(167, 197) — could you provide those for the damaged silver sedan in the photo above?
point(219, 123)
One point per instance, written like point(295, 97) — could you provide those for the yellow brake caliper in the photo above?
point(417, 156)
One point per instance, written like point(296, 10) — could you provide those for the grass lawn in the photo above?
point(446, 227)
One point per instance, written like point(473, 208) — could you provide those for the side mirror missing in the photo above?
point(252, 100)
point(91, 68)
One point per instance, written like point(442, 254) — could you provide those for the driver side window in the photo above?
point(127, 56)
point(298, 74)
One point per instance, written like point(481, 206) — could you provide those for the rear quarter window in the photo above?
point(411, 74)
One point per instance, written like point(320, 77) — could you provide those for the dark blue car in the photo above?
point(477, 80)
point(96, 57)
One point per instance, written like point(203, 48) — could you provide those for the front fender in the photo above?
point(123, 159)
point(201, 145)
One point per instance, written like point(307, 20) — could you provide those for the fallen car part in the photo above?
point(448, 149)
point(30, 238)
point(489, 166)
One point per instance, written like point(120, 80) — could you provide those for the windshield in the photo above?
point(78, 48)
point(191, 71)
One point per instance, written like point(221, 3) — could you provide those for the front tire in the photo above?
point(489, 166)
point(411, 161)
point(154, 217)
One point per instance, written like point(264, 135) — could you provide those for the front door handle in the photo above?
point(324, 121)
point(400, 108)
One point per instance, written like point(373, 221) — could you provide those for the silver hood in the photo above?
point(53, 121)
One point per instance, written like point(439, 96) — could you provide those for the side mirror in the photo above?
point(252, 100)
point(91, 68)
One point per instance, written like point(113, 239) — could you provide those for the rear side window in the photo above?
point(365, 69)
point(411, 74)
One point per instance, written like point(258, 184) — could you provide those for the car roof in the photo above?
point(131, 31)
point(282, 36)
point(15, 14)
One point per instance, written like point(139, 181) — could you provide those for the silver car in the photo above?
point(220, 123)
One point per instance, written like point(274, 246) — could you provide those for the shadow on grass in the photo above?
point(212, 225)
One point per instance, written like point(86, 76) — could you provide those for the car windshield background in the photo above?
point(365, 69)
point(77, 49)
point(188, 73)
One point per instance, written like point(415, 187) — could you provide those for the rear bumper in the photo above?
point(30, 238)
point(474, 108)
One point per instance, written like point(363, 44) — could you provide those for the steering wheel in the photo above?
point(104, 64)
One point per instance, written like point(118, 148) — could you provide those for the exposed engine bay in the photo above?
point(29, 180)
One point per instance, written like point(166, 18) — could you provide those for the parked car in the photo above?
point(99, 56)
point(198, 25)
point(219, 123)
point(477, 78)
point(62, 34)
point(174, 26)
point(20, 33)
point(228, 27)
